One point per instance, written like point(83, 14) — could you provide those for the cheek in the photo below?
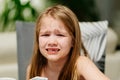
point(66, 43)
point(41, 42)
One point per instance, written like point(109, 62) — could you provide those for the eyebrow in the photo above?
point(41, 32)
point(56, 30)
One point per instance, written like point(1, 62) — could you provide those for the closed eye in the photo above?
point(60, 35)
point(45, 35)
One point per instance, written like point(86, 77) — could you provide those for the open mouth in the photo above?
point(52, 50)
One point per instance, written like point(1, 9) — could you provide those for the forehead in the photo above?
point(50, 22)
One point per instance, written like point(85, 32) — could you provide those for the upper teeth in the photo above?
point(52, 49)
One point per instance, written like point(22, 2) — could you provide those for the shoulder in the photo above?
point(28, 72)
point(83, 60)
point(85, 66)
point(28, 68)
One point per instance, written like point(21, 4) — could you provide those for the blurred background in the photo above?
point(86, 10)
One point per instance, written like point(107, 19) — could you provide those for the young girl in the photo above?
point(57, 48)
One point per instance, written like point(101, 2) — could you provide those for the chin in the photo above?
point(53, 59)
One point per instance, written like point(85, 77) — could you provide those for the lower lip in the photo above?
point(52, 52)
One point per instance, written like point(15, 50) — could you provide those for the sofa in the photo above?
point(8, 55)
point(112, 67)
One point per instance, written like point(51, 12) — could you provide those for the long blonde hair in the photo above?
point(70, 20)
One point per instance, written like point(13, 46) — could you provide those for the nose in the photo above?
point(52, 42)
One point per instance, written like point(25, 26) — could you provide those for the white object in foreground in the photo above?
point(39, 78)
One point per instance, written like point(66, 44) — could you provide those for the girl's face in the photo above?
point(54, 40)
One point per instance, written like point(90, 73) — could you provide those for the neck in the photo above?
point(53, 69)
point(55, 66)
